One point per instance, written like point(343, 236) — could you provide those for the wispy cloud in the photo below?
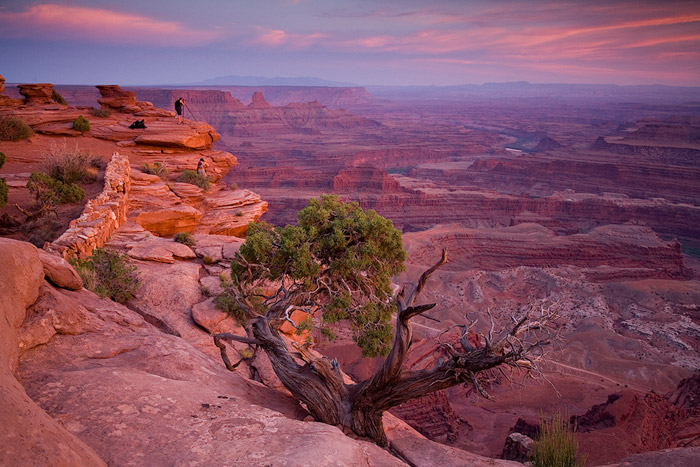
point(60, 22)
point(278, 37)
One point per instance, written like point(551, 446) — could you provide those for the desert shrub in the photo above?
point(4, 192)
point(41, 230)
point(4, 189)
point(48, 190)
point(190, 176)
point(156, 169)
point(185, 238)
point(70, 165)
point(81, 124)
point(208, 260)
point(57, 98)
point(14, 129)
point(227, 303)
point(239, 213)
point(556, 445)
point(108, 274)
point(101, 113)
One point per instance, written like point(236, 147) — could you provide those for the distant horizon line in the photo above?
point(352, 85)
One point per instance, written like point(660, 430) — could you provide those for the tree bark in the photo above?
point(359, 408)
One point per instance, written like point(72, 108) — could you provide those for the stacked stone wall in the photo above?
point(101, 216)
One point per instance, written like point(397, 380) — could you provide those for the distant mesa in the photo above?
point(259, 101)
point(546, 144)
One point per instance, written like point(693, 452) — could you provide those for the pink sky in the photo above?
point(361, 41)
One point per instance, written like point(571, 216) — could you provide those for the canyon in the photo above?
point(589, 200)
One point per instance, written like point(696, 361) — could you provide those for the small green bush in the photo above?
point(108, 274)
point(4, 192)
point(100, 113)
point(14, 129)
point(81, 124)
point(47, 189)
point(208, 260)
point(556, 445)
point(185, 238)
point(2, 159)
point(156, 169)
point(57, 98)
point(70, 165)
point(190, 176)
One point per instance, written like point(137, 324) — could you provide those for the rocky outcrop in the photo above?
point(7, 101)
point(116, 99)
point(687, 394)
point(259, 102)
point(432, 416)
point(103, 377)
point(101, 216)
point(36, 93)
point(364, 179)
point(27, 434)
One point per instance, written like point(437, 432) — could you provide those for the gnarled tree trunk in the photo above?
point(359, 407)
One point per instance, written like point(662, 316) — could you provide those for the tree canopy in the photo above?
point(336, 264)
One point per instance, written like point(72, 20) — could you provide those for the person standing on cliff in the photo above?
point(202, 167)
point(179, 104)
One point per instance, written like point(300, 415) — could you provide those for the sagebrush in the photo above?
point(49, 190)
point(101, 113)
point(556, 446)
point(192, 177)
point(70, 164)
point(57, 98)
point(4, 189)
point(108, 274)
point(14, 129)
point(158, 168)
point(185, 238)
point(81, 124)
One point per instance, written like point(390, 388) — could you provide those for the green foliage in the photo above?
point(4, 192)
point(108, 274)
point(185, 238)
point(556, 445)
point(100, 113)
point(70, 165)
point(2, 159)
point(81, 124)
point(156, 169)
point(14, 129)
point(339, 258)
point(208, 260)
point(47, 189)
point(227, 303)
point(192, 177)
point(57, 98)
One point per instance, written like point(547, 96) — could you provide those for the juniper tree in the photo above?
point(336, 265)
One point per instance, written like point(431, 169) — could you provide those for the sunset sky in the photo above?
point(367, 42)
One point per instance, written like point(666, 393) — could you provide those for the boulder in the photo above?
point(160, 250)
point(23, 274)
point(28, 435)
point(36, 93)
point(59, 272)
point(116, 99)
point(518, 447)
point(170, 221)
